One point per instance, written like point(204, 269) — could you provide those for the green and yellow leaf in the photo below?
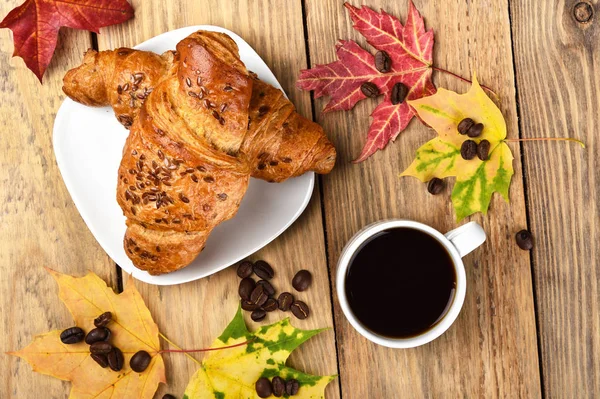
point(476, 180)
point(232, 373)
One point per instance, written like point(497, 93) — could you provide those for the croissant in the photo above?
point(279, 142)
point(200, 126)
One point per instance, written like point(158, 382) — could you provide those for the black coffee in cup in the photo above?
point(400, 282)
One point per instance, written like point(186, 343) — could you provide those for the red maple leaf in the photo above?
point(410, 48)
point(35, 25)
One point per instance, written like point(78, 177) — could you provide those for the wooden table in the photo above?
point(530, 325)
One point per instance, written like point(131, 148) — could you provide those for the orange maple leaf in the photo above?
point(132, 330)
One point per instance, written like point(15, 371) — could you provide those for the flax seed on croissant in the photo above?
point(200, 125)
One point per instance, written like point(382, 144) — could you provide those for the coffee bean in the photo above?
point(267, 286)
point(468, 149)
point(168, 396)
point(103, 319)
point(302, 280)
point(285, 301)
point(102, 360)
point(300, 310)
point(263, 270)
point(115, 359)
point(435, 186)
point(369, 89)
point(263, 387)
point(483, 150)
point(140, 361)
point(258, 315)
point(475, 130)
point(465, 125)
point(100, 347)
point(245, 288)
point(383, 62)
point(278, 386)
point(399, 92)
point(259, 296)
point(524, 240)
point(97, 334)
point(292, 386)
point(72, 335)
point(270, 305)
point(245, 269)
point(249, 306)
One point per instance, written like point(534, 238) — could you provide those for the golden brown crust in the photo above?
point(200, 126)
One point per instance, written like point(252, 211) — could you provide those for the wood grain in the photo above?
point(39, 224)
point(193, 314)
point(491, 349)
point(557, 62)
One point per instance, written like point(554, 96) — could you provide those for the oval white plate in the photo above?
point(88, 143)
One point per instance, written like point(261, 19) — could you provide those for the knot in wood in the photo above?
point(583, 12)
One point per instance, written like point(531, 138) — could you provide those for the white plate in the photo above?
point(88, 143)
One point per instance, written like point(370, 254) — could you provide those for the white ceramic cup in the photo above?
point(458, 242)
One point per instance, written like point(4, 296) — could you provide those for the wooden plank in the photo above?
point(39, 224)
point(557, 73)
point(194, 314)
point(491, 349)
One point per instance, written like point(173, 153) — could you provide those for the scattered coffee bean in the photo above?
point(263, 270)
point(249, 306)
point(399, 92)
point(115, 359)
point(245, 269)
point(168, 396)
point(285, 301)
point(302, 280)
point(483, 150)
point(475, 130)
point(524, 240)
point(465, 125)
point(263, 387)
point(140, 361)
point(246, 287)
point(435, 186)
point(97, 334)
point(102, 360)
point(383, 62)
point(300, 310)
point(468, 149)
point(369, 89)
point(292, 386)
point(278, 386)
point(267, 286)
point(72, 335)
point(258, 315)
point(101, 348)
point(270, 305)
point(103, 319)
point(259, 296)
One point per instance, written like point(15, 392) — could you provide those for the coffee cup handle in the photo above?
point(466, 238)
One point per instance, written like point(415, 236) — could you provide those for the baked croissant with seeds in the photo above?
point(279, 143)
point(200, 126)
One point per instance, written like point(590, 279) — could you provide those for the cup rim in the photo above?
point(342, 267)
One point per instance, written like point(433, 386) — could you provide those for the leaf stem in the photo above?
point(178, 347)
point(548, 139)
point(205, 349)
point(463, 79)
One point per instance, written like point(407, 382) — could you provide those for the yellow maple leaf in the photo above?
point(476, 180)
point(132, 330)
